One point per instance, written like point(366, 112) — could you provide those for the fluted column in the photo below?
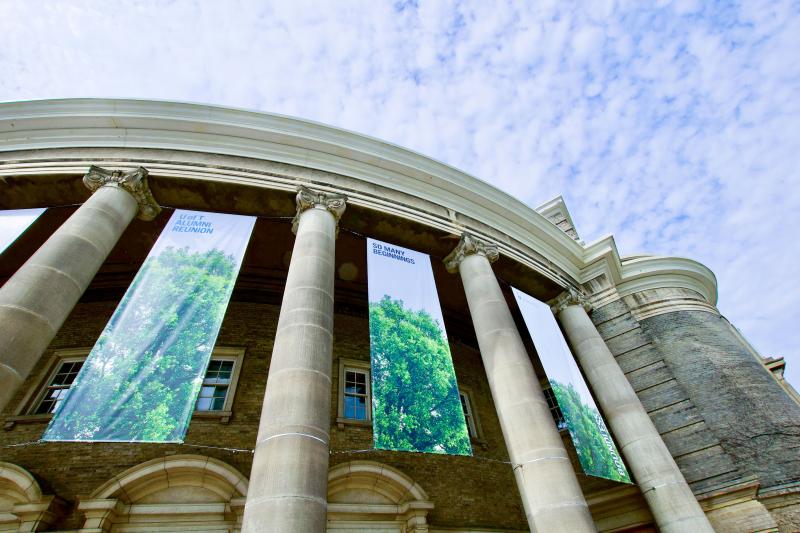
point(37, 299)
point(671, 501)
point(289, 478)
point(550, 491)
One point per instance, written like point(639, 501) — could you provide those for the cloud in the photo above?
point(673, 126)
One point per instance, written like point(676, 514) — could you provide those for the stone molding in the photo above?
point(119, 500)
point(132, 181)
point(406, 500)
point(454, 201)
point(736, 508)
point(470, 245)
point(661, 300)
point(571, 296)
point(32, 510)
point(306, 199)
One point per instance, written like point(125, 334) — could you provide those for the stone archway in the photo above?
point(178, 493)
point(367, 496)
point(23, 507)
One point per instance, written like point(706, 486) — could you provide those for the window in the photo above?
point(50, 387)
point(555, 410)
point(219, 384)
point(215, 385)
point(53, 384)
point(58, 386)
point(355, 394)
point(355, 400)
point(470, 417)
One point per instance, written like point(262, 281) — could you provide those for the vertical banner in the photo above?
point(13, 222)
point(141, 380)
point(596, 450)
point(415, 401)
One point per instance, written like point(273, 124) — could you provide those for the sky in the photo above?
point(673, 125)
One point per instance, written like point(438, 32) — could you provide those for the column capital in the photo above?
point(470, 245)
point(133, 181)
point(571, 296)
point(307, 199)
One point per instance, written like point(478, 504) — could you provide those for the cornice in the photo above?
point(124, 124)
point(642, 272)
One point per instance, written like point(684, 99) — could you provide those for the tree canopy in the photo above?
point(596, 450)
point(142, 377)
point(415, 399)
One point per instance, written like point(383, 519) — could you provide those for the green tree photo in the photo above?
point(596, 451)
point(415, 399)
point(141, 378)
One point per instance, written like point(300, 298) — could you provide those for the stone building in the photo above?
point(709, 430)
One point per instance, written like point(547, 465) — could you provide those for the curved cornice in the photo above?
point(93, 123)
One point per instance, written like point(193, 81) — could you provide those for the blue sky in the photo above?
point(672, 125)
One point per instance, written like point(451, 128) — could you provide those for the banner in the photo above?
point(141, 380)
point(415, 401)
point(13, 222)
point(596, 450)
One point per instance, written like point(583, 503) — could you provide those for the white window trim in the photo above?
point(545, 386)
point(225, 353)
point(359, 366)
point(24, 411)
point(476, 422)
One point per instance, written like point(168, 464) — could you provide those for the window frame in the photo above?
point(25, 411)
point(353, 365)
point(224, 353)
point(555, 408)
point(468, 394)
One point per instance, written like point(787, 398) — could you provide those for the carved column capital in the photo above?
point(133, 181)
point(571, 296)
point(470, 245)
point(307, 198)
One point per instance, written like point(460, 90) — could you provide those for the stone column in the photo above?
point(289, 478)
point(36, 300)
point(671, 501)
point(550, 491)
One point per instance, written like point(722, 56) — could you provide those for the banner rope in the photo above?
point(332, 452)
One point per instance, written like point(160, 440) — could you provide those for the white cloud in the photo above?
point(673, 126)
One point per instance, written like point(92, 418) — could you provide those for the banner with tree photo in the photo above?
point(14, 222)
point(141, 379)
point(415, 402)
point(597, 452)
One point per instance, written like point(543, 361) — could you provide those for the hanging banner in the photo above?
point(597, 452)
point(415, 401)
point(13, 222)
point(141, 380)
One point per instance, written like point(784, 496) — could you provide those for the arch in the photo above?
point(22, 504)
point(183, 492)
point(363, 493)
point(383, 479)
point(145, 479)
point(17, 485)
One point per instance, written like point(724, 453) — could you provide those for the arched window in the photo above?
point(369, 496)
point(23, 507)
point(178, 493)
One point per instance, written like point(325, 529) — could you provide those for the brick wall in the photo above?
point(755, 420)
point(467, 491)
point(696, 449)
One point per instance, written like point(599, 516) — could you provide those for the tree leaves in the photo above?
point(142, 377)
point(596, 451)
point(415, 399)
